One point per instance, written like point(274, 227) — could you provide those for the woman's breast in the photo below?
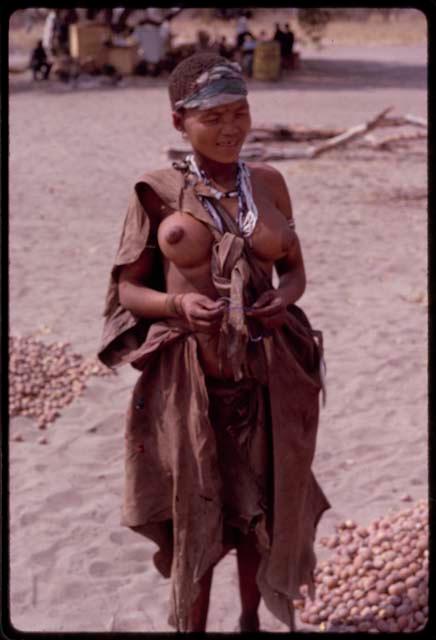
point(272, 236)
point(184, 240)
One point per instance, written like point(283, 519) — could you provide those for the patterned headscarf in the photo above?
point(219, 85)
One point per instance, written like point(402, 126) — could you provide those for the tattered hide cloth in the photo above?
point(173, 484)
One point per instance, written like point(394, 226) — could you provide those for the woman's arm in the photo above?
point(271, 306)
point(290, 268)
point(134, 295)
point(139, 299)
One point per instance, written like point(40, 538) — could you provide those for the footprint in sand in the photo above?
point(29, 518)
point(417, 482)
point(122, 537)
point(136, 555)
point(46, 558)
point(101, 569)
point(63, 500)
point(116, 537)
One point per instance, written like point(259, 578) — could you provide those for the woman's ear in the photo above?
point(177, 121)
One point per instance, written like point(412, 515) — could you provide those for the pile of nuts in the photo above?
point(45, 378)
point(377, 581)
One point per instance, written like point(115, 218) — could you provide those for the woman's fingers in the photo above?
point(207, 303)
point(270, 310)
point(264, 300)
point(201, 313)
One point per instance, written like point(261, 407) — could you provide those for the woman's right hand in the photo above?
point(203, 314)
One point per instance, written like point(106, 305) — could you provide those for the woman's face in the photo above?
point(218, 133)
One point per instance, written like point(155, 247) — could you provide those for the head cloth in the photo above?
point(219, 85)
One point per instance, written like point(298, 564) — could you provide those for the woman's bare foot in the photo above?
point(249, 623)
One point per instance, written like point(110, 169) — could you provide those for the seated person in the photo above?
point(39, 62)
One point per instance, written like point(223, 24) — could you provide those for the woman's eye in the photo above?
point(211, 121)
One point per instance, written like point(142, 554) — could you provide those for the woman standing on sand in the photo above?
point(222, 425)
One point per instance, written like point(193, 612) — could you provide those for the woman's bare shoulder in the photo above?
point(152, 203)
point(267, 173)
point(272, 180)
point(158, 190)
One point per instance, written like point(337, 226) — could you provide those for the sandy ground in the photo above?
point(361, 217)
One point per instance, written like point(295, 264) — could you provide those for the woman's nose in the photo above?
point(229, 124)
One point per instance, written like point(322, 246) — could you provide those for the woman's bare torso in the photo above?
point(186, 245)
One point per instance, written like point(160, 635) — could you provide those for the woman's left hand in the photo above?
point(269, 309)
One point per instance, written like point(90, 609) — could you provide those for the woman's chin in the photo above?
point(227, 154)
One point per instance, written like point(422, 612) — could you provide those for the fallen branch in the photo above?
point(420, 122)
point(282, 133)
point(386, 142)
point(350, 134)
point(400, 121)
point(285, 134)
point(248, 152)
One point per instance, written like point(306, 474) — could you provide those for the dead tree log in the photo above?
point(347, 136)
point(420, 122)
point(388, 141)
point(282, 133)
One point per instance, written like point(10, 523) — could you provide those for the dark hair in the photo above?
point(182, 78)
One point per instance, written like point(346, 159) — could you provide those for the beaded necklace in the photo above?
point(247, 211)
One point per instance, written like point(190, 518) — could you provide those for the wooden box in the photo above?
point(87, 40)
point(124, 59)
point(267, 61)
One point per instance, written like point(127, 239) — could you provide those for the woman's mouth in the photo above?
point(228, 144)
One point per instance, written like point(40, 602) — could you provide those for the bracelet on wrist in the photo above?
point(171, 304)
point(178, 304)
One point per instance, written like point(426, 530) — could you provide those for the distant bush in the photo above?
point(313, 22)
point(227, 13)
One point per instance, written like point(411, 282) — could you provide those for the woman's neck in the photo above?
point(223, 173)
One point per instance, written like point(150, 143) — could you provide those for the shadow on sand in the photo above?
point(315, 74)
point(353, 74)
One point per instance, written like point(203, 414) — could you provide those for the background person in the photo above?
point(247, 53)
point(39, 62)
point(279, 37)
point(242, 30)
point(48, 31)
point(287, 50)
point(152, 42)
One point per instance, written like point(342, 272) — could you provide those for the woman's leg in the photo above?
point(248, 564)
point(198, 616)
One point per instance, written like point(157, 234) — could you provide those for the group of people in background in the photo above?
point(246, 43)
point(286, 40)
point(153, 35)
